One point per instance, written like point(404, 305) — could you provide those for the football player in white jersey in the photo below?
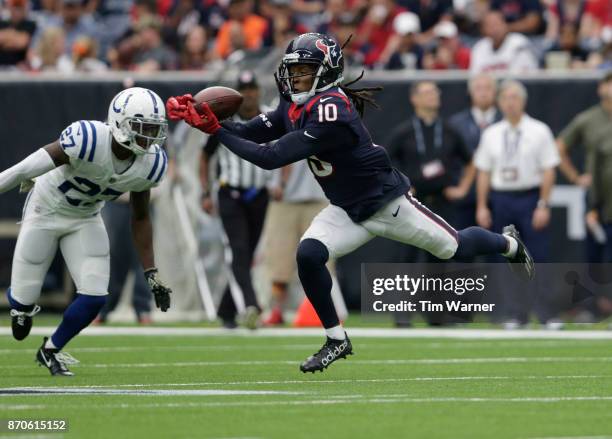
point(92, 162)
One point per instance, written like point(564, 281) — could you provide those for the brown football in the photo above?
point(223, 101)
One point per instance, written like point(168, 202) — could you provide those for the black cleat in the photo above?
point(522, 262)
point(21, 322)
point(330, 352)
point(54, 360)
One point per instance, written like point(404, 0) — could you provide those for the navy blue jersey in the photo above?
point(355, 174)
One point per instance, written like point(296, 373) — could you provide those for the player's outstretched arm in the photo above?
point(37, 163)
point(142, 233)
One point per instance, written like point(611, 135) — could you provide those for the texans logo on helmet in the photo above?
point(329, 51)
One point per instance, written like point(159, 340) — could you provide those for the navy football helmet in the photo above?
point(321, 51)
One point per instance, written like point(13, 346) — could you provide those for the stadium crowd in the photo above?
point(151, 35)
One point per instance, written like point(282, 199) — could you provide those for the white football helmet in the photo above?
point(137, 119)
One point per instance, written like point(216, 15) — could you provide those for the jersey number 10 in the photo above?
point(328, 112)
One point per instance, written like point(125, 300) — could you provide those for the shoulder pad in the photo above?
point(157, 165)
point(330, 107)
point(80, 139)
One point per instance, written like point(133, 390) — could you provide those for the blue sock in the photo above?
point(476, 241)
point(77, 317)
point(16, 305)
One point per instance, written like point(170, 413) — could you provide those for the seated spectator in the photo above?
point(430, 14)
point(375, 31)
point(501, 50)
point(602, 59)
point(522, 16)
point(113, 21)
point(194, 54)
point(344, 31)
point(85, 56)
point(243, 29)
point(448, 53)
point(75, 22)
point(15, 34)
point(564, 12)
point(468, 14)
point(152, 54)
point(282, 25)
point(307, 12)
point(569, 45)
point(407, 54)
point(49, 53)
point(334, 9)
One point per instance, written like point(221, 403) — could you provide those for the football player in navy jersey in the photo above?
point(319, 120)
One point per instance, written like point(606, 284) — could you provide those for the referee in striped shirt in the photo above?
point(242, 204)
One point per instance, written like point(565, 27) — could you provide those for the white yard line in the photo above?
point(29, 391)
point(481, 360)
point(455, 333)
point(372, 399)
point(344, 381)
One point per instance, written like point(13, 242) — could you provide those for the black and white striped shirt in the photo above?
point(234, 171)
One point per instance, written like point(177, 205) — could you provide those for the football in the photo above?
point(223, 101)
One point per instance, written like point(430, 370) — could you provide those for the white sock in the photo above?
point(512, 247)
point(49, 344)
point(337, 332)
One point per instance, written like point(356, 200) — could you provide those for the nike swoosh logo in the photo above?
point(309, 135)
point(326, 99)
point(396, 212)
point(47, 362)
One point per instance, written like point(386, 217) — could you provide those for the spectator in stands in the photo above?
point(194, 54)
point(75, 22)
point(601, 14)
point(468, 14)
point(153, 54)
point(375, 31)
point(405, 52)
point(243, 30)
point(345, 30)
point(84, 56)
point(307, 12)
point(430, 14)
point(592, 130)
point(49, 53)
point(289, 215)
point(282, 25)
point(334, 9)
point(448, 53)
point(568, 12)
point(15, 34)
point(501, 50)
point(569, 45)
point(516, 162)
point(602, 59)
point(469, 124)
point(522, 16)
point(113, 21)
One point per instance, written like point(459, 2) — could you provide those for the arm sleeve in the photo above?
point(32, 166)
point(572, 134)
point(549, 154)
point(261, 129)
point(290, 148)
point(482, 158)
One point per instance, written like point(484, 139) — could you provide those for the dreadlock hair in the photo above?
point(360, 96)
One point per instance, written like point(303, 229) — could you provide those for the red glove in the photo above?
point(176, 106)
point(204, 121)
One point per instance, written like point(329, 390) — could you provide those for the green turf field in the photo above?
point(250, 387)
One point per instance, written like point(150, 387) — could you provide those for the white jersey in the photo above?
point(81, 188)
point(515, 55)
